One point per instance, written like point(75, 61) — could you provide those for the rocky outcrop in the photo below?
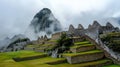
point(95, 24)
point(16, 43)
point(80, 27)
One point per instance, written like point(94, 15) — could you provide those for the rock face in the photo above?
point(15, 43)
point(44, 21)
point(80, 27)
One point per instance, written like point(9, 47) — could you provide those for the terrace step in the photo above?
point(57, 61)
point(92, 55)
point(81, 43)
point(97, 63)
point(81, 48)
point(30, 57)
point(39, 49)
point(29, 47)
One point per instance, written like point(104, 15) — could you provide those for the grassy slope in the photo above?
point(6, 60)
point(112, 66)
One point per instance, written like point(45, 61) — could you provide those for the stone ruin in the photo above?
point(93, 31)
point(79, 34)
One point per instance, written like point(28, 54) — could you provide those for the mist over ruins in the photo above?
point(48, 41)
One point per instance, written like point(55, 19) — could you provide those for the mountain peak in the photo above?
point(109, 24)
point(42, 12)
point(80, 26)
point(44, 23)
point(96, 24)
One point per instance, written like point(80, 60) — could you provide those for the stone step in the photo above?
point(92, 55)
point(81, 48)
point(81, 43)
point(97, 63)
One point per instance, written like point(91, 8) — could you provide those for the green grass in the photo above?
point(112, 65)
point(82, 53)
point(10, 55)
point(81, 43)
point(40, 62)
point(77, 46)
point(52, 41)
point(30, 46)
point(84, 64)
point(6, 60)
point(114, 34)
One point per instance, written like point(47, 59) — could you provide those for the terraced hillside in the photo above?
point(6, 60)
point(82, 54)
point(86, 54)
point(112, 40)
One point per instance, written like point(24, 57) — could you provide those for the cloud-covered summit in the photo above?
point(15, 15)
point(43, 23)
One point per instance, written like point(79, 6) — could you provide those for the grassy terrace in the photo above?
point(7, 61)
point(77, 46)
point(30, 46)
point(114, 34)
point(80, 43)
point(82, 53)
point(52, 41)
point(84, 64)
point(10, 55)
point(112, 65)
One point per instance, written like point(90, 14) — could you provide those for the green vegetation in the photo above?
point(81, 43)
point(82, 53)
point(63, 43)
point(112, 65)
point(64, 40)
point(7, 61)
point(10, 55)
point(112, 40)
point(91, 64)
point(52, 41)
point(77, 46)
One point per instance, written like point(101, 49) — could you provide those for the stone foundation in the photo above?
point(84, 58)
point(83, 48)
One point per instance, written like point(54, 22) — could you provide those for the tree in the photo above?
point(63, 43)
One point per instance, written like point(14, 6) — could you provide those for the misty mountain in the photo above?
point(4, 42)
point(8, 42)
point(44, 21)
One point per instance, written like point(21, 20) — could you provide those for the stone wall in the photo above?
point(100, 45)
point(84, 48)
point(56, 36)
point(84, 58)
point(50, 42)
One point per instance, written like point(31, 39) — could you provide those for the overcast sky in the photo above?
point(16, 15)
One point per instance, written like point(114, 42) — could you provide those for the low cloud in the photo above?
point(16, 15)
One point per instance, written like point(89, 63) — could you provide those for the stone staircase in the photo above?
point(86, 54)
point(83, 54)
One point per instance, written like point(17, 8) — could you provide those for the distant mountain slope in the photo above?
point(8, 44)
